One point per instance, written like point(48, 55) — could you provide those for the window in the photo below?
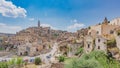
point(28, 48)
point(36, 49)
point(88, 45)
point(98, 47)
point(98, 40)
point(111, 32)
point(89, 33)
point(20, 53)
point(97, 32)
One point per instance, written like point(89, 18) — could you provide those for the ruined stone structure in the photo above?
point(106, 30)
point(117, 37)
point(88, 44)
point(100, 33)
point(37, 39)
point(100, 43)
point(115, 21)
point(82, 32)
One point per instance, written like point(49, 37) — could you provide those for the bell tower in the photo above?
point(105, 21)
point(38, 23)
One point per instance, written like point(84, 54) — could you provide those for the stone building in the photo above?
point(91, 43)
point(29, 49)
point(24, 49)
point(82, 32)
point(115, 21)
point(117, 37)
point(73, 49)
point(1, 42)
point(88, 43)
point(118, 41)
point(105, 29)
point(93, 33)
point(100, 43)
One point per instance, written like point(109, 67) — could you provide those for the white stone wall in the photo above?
point(100, 44)
point(115, 21)
point(21, 49)
point(96, 28)
point(32, 51)
point(88, 44)
point(118, 41)
point(73, 48)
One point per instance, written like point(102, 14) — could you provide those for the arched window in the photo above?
point(98, 40)
point(36, 49)
point(88, 45)
point(98, 47)
point(111, 31)
point(89, 33)
point(97, 32)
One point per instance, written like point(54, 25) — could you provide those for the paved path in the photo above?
point(44, 57)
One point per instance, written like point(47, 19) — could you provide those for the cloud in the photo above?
point(9, 29)
point(2, 24)
point(31, 19)
point(48, 25)
point(75, 26)
point(8, 9)
point(75, 20)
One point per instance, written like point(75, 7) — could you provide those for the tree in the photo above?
point(80, 50)
point(89, 27)
point(61, 58)
point(95, 59)
point(37, 61)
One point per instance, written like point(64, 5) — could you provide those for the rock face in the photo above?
point(104, 37)
point(82, 32)
point(115, 21)
point(41, 39)
point(118, 41)
point(35, 40)
point(105, 29)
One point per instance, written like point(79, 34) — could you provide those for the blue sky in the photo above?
point(68, 15)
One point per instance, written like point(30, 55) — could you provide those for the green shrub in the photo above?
point(37, 61)
point(95, 59)
point(80, 50)
point(61, 58)
point(89, 27)
point(3, 65)
point(111, 43)
point(15, 62)
point(11, 62)
point(19, 61)
point(1, 49)
point(118, 32)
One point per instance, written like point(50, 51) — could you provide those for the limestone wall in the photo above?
point(88, 44)
point(96, 28)
point(115, 21)
point(118, 41)
point(106, 29)
point(100, 44)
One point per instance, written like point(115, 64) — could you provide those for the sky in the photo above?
point(70, 15)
